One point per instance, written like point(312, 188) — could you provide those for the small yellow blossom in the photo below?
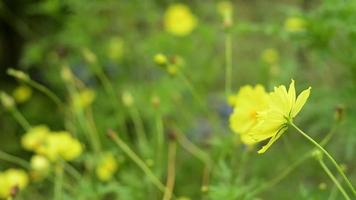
point(160, 59)
point(107, 167)
point(39, 163)
point(115, 48)
point(178, 20)
point(83, 99)
point(127, 98)
point(34, 138)
point(11, 179)
point(247, 103)
point(295, 24)
point(22, 93)
point(225, 9)
point(283, 106)
point(60, 145)
point(270, 56)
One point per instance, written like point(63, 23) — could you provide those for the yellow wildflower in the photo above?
point(22, 93)
point(115, 48)
point(34, 137)
point(160, 59)
point(247, 103)
point(106, 167)
point(225, 8)
point(179, 20)
point(295, 24)
point(60, 145)
point(39, 163)
point(11, 179)
point(83, 99)
point(127, 98)
point(283, 106)
point(270, 56)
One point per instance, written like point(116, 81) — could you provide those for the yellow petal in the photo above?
point(291, 92)
point(272, 140)
point(302, 98)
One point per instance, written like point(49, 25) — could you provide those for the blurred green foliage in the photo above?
point(109, 46)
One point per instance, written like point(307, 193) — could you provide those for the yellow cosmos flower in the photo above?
point(178, 20)
point(83, 99)
point(106, 167)
point(22, 93)
point(247, 103)
point(270, 56)
point(283, 106)
point(34, 138)
point(60, 145)
point(295, 24)
point(11, 179)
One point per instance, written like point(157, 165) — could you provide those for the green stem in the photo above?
point(139, 162)
point(14, 159)
point(327, 155)
point(332, 177)
point(139, 127)
point(228, 63)
point(160, 140)
point(20, 118)
point(58, 182)
point(46, 91)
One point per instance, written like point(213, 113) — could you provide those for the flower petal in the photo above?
point(291, 93)
point(302, 98)
point(272, 140)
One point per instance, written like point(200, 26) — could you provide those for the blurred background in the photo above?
point(112, 48)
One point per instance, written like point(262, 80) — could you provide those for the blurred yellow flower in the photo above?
point(83, 99)
point(225, 9)
point(39, 163)
point(270, 56)
point(34, 138)
point(295, 24)
point(60, 145)
point(127, 98)
point(40, 167)
point(247, 103)
point(10, 180)
point(107, 167)
point(178, 20)
point(160, 59)
point(115, 48)
point(283, 106)
point(22, 93)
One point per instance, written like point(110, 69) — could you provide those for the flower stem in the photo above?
point(332, 177)
point(228, 63)
point(46, 91)
point(137, 160)
point(58, 182)
point(327, 155)
point(172, 150)
point(14, 159)
point(20, 118)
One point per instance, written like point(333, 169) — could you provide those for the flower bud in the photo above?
point(127, 99)
point(160, 59)
point(7, 101)
point(18, 74)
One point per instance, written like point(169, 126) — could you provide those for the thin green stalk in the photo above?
point(192, 89)
point(327, 155)
point(294, 165)
point(20, 118)
point(228, 63)
point(171, 170)
point(137, 160)
point(46, 91)
point(139, 127)
point(58, 182)
point(14, 159)
point(159, 140)
point(72, 171)
point(332, 177)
